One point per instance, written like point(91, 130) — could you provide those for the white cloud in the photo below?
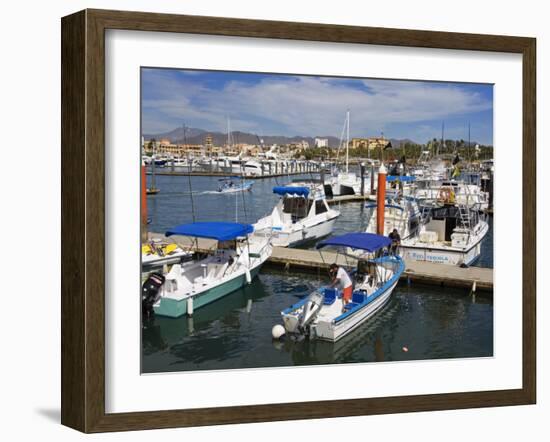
point(304, 105)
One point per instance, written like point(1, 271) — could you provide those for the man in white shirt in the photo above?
point(341, 278)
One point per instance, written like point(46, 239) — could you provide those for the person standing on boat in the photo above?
point(341, 278)
point(395, 241)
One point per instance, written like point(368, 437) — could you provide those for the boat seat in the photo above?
point(330, 297)
point(358, 297)
point(331, 292)
point(350, 305)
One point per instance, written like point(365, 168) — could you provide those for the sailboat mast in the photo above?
point(347, 141)
point(469, 157)
point(442, 136)
point(153, 181)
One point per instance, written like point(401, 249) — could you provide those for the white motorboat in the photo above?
point(324, 314)
point(235, 261)
point(452, 235)
point(302, 214)
point(432, 192)
point(252, 168)
point(231, 186)
point(401, 213)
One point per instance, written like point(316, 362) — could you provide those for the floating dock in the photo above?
point(415, 271)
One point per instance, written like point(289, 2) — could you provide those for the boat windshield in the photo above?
point(297, 207)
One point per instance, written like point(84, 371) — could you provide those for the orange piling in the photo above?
point(143, 204)
point(381, 200)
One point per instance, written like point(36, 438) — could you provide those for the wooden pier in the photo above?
point(312, 260)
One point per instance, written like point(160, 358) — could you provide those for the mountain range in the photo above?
point(197, 136)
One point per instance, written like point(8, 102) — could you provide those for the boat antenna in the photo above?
point(189, 176)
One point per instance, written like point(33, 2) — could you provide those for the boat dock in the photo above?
point(311, 260)
point(350, 199)
point(226, 174)
point(415, 271)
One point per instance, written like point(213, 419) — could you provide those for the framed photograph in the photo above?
point(266, 221)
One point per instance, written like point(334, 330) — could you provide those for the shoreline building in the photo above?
point(321, 142)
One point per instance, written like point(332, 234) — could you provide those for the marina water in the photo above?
point(420, 322)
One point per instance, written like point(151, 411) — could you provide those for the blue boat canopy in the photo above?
point(221, 231)
point(364, 241)
point(402, 178)
point(291, 190)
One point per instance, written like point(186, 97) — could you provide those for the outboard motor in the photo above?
point(150, 293)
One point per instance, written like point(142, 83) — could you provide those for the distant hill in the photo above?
point(197, 136)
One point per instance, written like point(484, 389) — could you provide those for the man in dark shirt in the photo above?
point(395, 242)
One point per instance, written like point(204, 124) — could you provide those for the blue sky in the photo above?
point(277, 104)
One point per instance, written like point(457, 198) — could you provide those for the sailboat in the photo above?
point(346, 183)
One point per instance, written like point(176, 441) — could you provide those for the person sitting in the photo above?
point(395, 242)
point(341, 278)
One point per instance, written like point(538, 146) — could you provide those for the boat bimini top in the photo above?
point(291, 190)
point(221, 231)
point(363, 241)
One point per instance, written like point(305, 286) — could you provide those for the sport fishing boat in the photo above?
point(324, 315)
point(432, 192)
point(452, 234)
point(302, 214)
point(401, 213)
point(235, 261)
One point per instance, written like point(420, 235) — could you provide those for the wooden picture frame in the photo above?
point(83, 219)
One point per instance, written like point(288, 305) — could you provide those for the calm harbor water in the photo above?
point(235, 332)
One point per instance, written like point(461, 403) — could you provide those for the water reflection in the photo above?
point(235, 332)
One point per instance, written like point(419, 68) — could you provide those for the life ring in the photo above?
point(446, 195)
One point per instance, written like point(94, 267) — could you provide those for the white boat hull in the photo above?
point(332, 332)
point(301, 233)
point(414, 250)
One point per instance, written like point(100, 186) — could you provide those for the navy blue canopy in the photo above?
point(402, 178)
point(291, 190)
point(221, 231)
point(365, 241)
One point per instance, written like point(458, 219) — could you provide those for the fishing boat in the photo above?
point(324, 314)
point(233, 262)
point(401, 213)
point(230, 186)
point(302, 214)
point(433, 192)
point(452, 234)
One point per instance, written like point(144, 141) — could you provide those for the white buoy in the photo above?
point(248, 276)
point(277, 331)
